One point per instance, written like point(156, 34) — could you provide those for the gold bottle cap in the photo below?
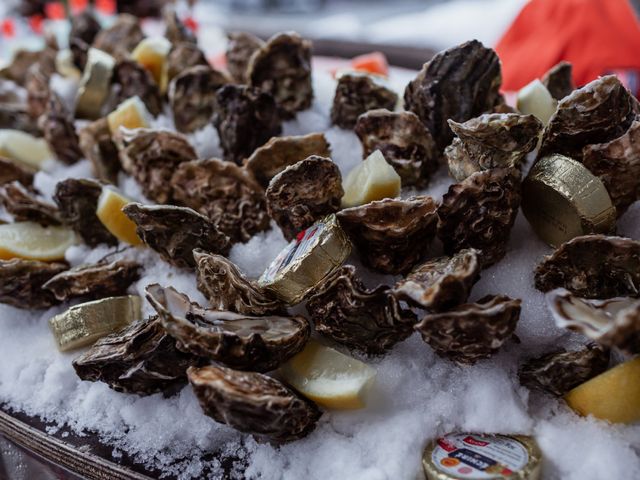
point(85, 323)
point(95, 84)
point(459, 456)
point(562, 200)
point(306, 261)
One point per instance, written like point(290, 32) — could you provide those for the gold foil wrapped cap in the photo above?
point(95, 84)
point(562, 200)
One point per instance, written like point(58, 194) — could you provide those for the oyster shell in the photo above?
point(24, 59)
point(38, 91)
point(130, 79)
point(184, 55)
point(25, 207)
point(240, 47)
point(391, 234)
point(174, 232)
point(121, 37)
point(59, 131)
point(84, 29)
point(16, 116)
point(371, 321)
point(97, 146)
point(441, 283)
point(559, 80)
point(403, 140)
point(11, 172)
point(472, 331)
point(238, 341)
point(21, 282)
point(175, 30)
point(253, 403)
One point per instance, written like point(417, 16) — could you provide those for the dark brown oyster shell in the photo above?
point(304, 193)
point(131, 79)
point(391, 235)
point(227, 289)
point(559, 80)
point(152, 157)
point(174, 232)
point(77, 200)
point(561, 371)
point(24, 59)
point(192, 96)
point(84, 28)
point(238, 341)
point(38, 91)
point(280, 152)
point(21, 283)
point(184, 55)
point(225, 193)
point(458, 84)
point(282, 67)
point(139, 359)
point(403, 140)
point(11, 172)
point(593, 266)
point(357, 93)
point(441, 283)
point(60, 132)
point(253, 403)
point(175, 30)
point(479, 213)
point(240, 47)
point(16, 116)
point(370, 321)
point(99, 148)
point(26, 207)
point(121, 37)
point(94, 281)
point(596, 113)
point(493, 140)
point(472, 331)
point(79, 52)
point(245, 118)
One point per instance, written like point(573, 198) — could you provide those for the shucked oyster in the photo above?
point(25, 207)
point(559, 80)
point(239, 341)
point(368, 320)
point(98, 147)
point(441, 283)
point(304, 193)
point(473, 331)
point(131, 79)
point(240, 48)
point(391, 235)
point(59, 131)
point(491, 140)
point(612, 323)
point(479, 213)
point(174, 232)
point(140, 359)
point(227, 289)
point(253, 403)
point(593, 266)
point(21, 282)
point(403, 140)
point(458, 84)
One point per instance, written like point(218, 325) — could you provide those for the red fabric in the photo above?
point(596, 36)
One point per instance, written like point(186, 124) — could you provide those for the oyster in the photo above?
point(192, 96)
point(403, 140)
point(184, 55)
point(246, 118)
point(227, 289)
point(458, 84)
point(97, 146)
point(235, 340)
point(561, 371)
point(84, 29)
point(59, 131)
point(472, 331)
point(479, 213)
point(282, 67)
point(16, 116)
point(391, 235)
point(441, 283)
point(494, 140)
point(130, 79)
point(121, 37)
point(253, 403)
point(371, 321)
point(559, 80)
point(240, 47)
point(24, 59)
point(280, 152)
point(21, 282)
point(38, 91)
point(175, 30)
point(26, 207)
point(357, 93)
point(94, 281)
point(12, 172)
point(141, 358)
point(174, 232)
point(592, 266)
point(304, 193)
point(225, 193)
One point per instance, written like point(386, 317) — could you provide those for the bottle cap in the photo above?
point(95, 84)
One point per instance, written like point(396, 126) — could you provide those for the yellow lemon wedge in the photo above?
point(152, 53)
point(132, 113)
point(536, 100)
point(110, 213)
point(32, 241)
point(328, 377)
point(23, 148)
point(373, 179)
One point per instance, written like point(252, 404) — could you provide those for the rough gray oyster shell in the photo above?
point(102, 152)
point(441, 283)
point(59, 131)
point(185, 55)
point(121, 37)
point(253, 403)
point(403, 140)
point(472, 331)
point(21, 282)
point(240, 47)
point(174, 232)
point(26, 207)
point(391, 235)
point(12, 172)
point(559, 80)
point(132, 79)
point(235, 340)
point(371, 321)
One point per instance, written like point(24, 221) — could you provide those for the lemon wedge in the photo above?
point(32, 241)
point(110, 213)
point(328, 377)
point(23, 148)
point(132, 113)
point(373, 179)
point(536, 100)
point(152, 54)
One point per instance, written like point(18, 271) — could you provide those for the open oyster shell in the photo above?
point(121, 37)
point(184, 55)
point(130, 79)
point(59, 131)
point(12, 172)
point(175, 30)
point(240, 48)
point(21, 282)
point(99, 148)
point(84, 29)
point(25, 207)
point(559, 80)
point(238, 341)
point(253, 403)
